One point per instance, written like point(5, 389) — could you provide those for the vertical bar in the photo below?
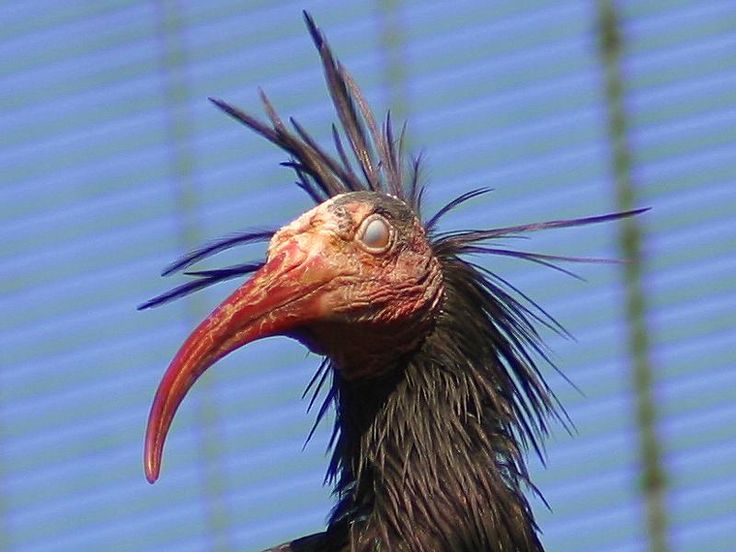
point(392, 46)
point(653, 483)
point(173, 63)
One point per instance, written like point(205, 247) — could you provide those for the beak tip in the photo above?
point(152, 452)
point(152, 469)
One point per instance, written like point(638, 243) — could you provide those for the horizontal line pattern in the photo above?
point(507, 95)
point(680, 67)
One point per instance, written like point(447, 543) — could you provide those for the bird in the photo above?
point(431, 361)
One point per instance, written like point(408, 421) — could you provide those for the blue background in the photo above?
point(112, 163)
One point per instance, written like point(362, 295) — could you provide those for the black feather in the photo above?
point(467, 196)
point(478, 235)
point(205, 278)
point(243, 238)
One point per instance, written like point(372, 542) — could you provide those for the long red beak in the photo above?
point(278, 298)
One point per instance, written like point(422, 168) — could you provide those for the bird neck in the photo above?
point(425, 457)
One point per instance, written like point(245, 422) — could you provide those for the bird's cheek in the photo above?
point(339, 299)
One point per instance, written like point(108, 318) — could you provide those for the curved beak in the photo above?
point(280, 297)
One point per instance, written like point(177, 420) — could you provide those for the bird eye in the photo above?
point(375, 234)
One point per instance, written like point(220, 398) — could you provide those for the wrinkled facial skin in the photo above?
point(382, 289)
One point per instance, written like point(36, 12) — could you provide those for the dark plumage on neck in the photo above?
point(428, 456)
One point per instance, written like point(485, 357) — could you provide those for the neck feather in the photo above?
point(428, 456)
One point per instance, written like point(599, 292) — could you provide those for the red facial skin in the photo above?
point(322, 285)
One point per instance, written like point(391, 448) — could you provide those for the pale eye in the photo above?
point(375, 233)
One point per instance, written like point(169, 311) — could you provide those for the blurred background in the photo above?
point(113, 162)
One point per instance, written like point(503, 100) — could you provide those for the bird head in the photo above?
point(354, 279)
point(362, 279)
